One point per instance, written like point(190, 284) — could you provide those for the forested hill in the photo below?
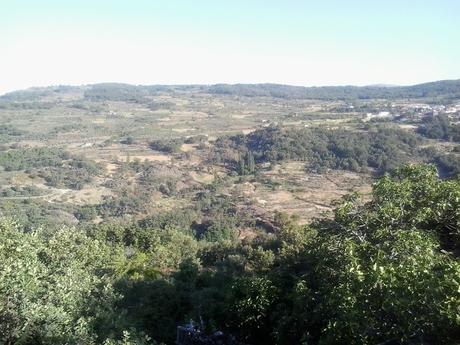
point(445, 89)
point(450, 88)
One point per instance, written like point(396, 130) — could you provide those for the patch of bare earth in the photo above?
point(88, 195)
point(182, 130)
point(202, 177)
point(153, 158)
point(288, 188)
point(188, 147)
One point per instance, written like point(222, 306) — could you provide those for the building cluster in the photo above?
point(413, 112)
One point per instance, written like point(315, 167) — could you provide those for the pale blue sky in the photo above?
point(327, 42)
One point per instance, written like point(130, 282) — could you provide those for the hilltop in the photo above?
point(119, 91)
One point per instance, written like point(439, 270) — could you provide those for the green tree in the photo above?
point(251, 163)
point(49, 286)
point(241, 165)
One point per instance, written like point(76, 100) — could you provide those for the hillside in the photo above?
point(267, 214)
point(438, 89)
point(334, 281)
point(445, 89)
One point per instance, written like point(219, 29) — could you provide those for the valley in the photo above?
point(159, 148)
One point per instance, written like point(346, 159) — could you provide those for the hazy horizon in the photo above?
point(303, 43)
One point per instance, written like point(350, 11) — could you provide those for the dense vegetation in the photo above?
point(26, 158)
point(116, 92)
point(448, 164)
point(447, 88)
point(34, 212)
point(167, 146)
point(73, 174)
point(15, 191)
point(132, 93)
point(8, 133)
point(58, 167)
point(440, 127)
point(35, 93)
point(378, 272)
point(379, 148)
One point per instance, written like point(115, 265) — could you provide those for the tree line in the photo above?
point(446, 89)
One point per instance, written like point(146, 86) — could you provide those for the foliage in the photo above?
point(440, 127)
point(15, 191)
point(116, 92)
point(50, 286)
point(72, 174)
point(56, 166)
point(8, 133)
point(36, 213)
point(381, 271)
point(380, 148)
point(448, 164)
point(21, 159)
point(167, 146)
point(435, 89)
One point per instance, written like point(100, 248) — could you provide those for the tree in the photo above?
point(251, 303)
point(380, 268)
point(50, 287)
point(241, 165)
point(55, 288)
point(251, 164)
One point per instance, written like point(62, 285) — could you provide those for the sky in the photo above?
point(310, 43)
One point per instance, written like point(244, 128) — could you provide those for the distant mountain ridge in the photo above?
point(136, 93)
point(447, 88)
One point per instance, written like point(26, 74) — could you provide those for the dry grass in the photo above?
point(296, 192)
point(202, 177)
